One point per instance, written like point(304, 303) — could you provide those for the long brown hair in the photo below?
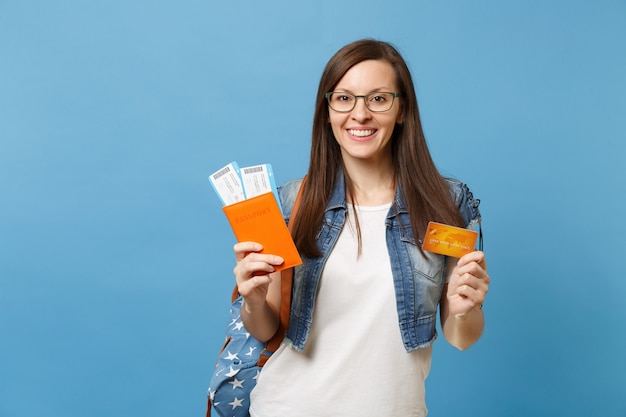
point(424, 190)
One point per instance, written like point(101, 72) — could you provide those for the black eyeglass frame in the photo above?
point(364, 97)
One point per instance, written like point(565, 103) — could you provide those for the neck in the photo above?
point(373, 186)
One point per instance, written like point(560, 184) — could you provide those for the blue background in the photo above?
point(115, 257)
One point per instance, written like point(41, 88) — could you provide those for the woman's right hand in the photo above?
point(252, 273)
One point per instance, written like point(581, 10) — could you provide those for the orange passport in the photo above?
point(259, 219)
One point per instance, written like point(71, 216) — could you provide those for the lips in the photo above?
point(361, 133)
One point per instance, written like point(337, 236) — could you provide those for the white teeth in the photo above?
point(361, 133)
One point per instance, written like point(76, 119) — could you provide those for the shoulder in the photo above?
point(287, 194)
point(465, 201)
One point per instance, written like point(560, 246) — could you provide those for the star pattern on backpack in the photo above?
point(236, 369)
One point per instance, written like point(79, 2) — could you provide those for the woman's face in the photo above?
point(364, 135)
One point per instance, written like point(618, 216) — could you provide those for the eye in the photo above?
point(378, 98)
point(343, 97)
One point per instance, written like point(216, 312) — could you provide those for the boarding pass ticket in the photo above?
point(233, 184)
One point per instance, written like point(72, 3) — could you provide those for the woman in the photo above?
point(365, 299)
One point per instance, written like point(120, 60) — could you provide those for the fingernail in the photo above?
point(278, 260)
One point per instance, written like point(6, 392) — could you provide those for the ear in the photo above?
point(400, 117)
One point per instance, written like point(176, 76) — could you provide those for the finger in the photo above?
point(256, 281)
point(472, 268)
point(475, 256)
point(469, 286)
point(243, 248)
point(263, 257)
point(476, 296)
point(248, 283)
point(256, 264)
point(248, 269)
point(474, 280)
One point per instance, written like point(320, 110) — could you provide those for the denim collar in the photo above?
point(338, 197)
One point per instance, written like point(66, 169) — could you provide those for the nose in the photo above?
point(360, 110)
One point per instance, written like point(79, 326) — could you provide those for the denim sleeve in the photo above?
point(468, 207)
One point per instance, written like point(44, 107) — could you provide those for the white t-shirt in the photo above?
point(354, 362)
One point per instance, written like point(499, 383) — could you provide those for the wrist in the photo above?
point(472, 311)
point(245, 306)
point(251, 308)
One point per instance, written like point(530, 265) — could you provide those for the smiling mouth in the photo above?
point(361, 133)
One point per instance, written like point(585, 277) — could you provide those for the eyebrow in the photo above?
point(376, 90)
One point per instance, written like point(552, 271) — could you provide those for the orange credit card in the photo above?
point(449, 240)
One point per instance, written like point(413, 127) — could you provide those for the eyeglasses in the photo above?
point(345, 102)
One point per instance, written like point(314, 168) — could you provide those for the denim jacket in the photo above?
point(418, 281)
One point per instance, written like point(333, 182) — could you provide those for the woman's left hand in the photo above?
point(468, 284)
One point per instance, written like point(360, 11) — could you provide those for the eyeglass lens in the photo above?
point(344, 102)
